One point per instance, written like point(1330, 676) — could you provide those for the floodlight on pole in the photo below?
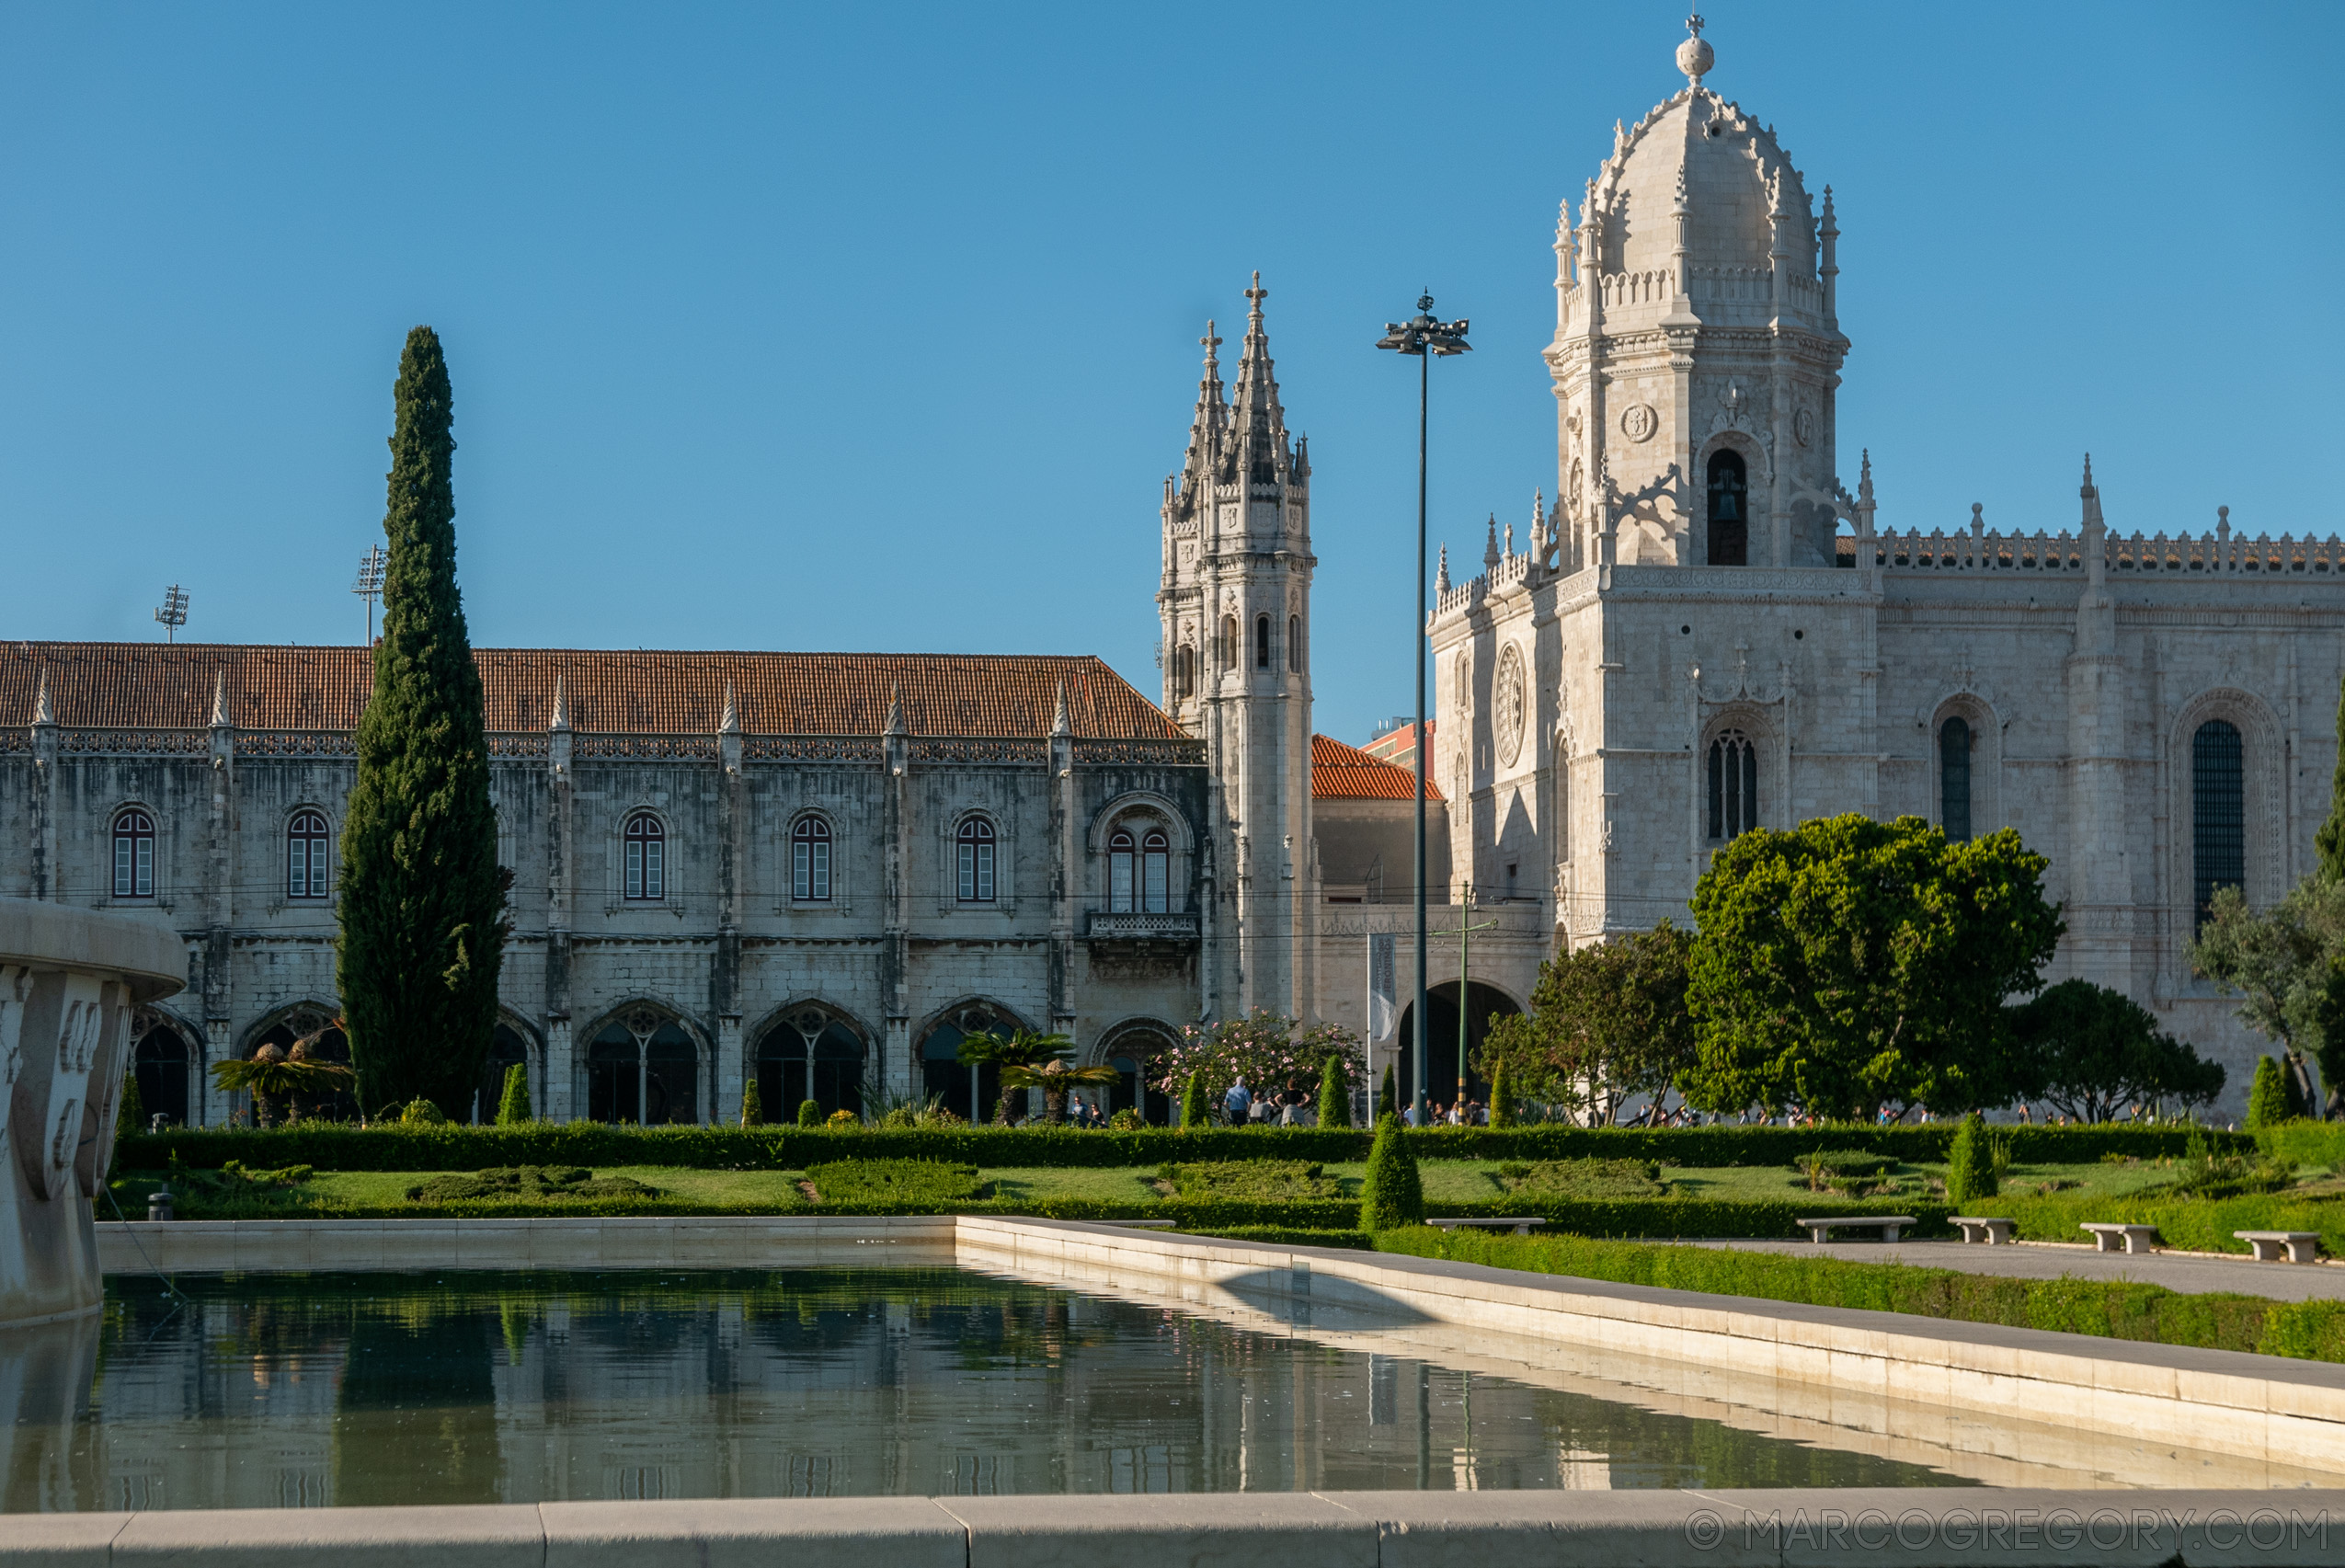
point(1426, 336)
point(369, 585)
point(172, 611)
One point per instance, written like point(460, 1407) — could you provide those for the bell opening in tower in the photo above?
point(1730, 530)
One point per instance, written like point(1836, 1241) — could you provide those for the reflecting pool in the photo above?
point(305, 1390)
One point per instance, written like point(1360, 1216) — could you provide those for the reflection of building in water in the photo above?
point(485, 1388)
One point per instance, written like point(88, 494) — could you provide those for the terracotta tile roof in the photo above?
point(163, 686)
point(1346, 773)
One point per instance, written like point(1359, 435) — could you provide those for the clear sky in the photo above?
point(874, 327)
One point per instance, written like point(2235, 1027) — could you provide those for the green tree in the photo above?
point(1502, 1096)
point(422, 896)
point(2267, 1096)
point(513, 1107)
point(1608, 1021)
point(1393, 1193)
point(130, 1115)
point(810, 1114)
point(1193, 1108)
point(1384, 1095)
point(1020, 1049)
point(1055, 1077)
point(752, 1105)
point(2284, 965)
point(1334, 1093)
point(1970, 1168)
point(1849, 963)
point(2089, 1051)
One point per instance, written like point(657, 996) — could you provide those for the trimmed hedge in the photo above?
point(336, 1146)
point(2108, 1309)
point(2193, 1224)
point(2305, 1142)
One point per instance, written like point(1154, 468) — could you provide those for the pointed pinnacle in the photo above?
point(730, 723)
point(40, 709)
point(1060, 723)
point(895, 724)
point(561, 705)
point(219, 699)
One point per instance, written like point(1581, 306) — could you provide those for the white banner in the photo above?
point(1382, 1018)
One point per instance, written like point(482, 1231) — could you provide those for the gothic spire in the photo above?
point(1260, 425)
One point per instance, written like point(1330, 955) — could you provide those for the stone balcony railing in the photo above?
point(1128, 926)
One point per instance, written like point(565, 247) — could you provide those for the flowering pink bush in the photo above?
point(1263, 1049)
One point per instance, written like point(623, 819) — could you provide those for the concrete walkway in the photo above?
point(2191, 1271)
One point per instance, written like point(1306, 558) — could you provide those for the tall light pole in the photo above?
point(369, 584)
point(172, 614)
point(1424, 337)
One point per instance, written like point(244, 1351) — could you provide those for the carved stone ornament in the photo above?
point(1637, 421)
point(1507, 706)
point(643, 1023)
point(1803, 427)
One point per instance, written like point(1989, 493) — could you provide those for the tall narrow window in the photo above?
point(977, 861)
point(1730, 525)
point(810, 860)
point(647, 846)
point(1954, 779)
point(1185, 671)
point(1261, 642)
point(1294, 643)
point(1229, 642)
point(2218, 813)
point(1733, 785)
point(1120, 871)
point(1155, 870)
point(133, 856)
point(306, 845)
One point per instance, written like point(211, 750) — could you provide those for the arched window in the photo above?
point(647, 846)
point(1294, 643)
point(1229, 642)
point(810, 860)
point(133, 854)
point(1261, 642)
point(1733, 785)
point(306, 854)
point(976, 847)
point(1730, 523)
point(1120, 870)
point(1954, 779)
point(2218, 813)
point(1155, 863)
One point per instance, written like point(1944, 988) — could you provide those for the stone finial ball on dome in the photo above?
point(1695, 56)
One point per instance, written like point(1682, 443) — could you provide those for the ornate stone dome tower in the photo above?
point(1696, 350)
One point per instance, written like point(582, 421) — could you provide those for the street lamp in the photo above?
point(1425, 336)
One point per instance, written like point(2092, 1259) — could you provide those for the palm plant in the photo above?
point(1023, 1049)
point(1055, 1078)
point(272, 1074)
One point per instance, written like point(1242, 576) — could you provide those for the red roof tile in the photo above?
point(166, 686)
point(1346, 773)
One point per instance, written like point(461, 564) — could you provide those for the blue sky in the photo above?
point(870, 328)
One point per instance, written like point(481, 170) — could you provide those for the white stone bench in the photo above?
point(2109, 1238)
point(1993, 1233)
point(1889, 1225)
point(1521, 1225)
point(2302, 1246)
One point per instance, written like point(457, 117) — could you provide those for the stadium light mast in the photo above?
point(1424, 336)
point(368, 585)
point(172, 614)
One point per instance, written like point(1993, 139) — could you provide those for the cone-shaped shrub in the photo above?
point(2268, 1096)
point(1334, 1095)
point(131, 1115)
point(1970, 1168)
point(1501, 1098)
point(753, 1105)
point(514, 1106)
point(1192, 1100)
point(1393, 1194)
point(810, 1114)
point(422, 903)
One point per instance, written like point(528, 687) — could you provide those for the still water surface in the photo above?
point(282, 1391)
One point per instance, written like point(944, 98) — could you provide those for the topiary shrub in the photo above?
point(420, 1112)
point(842, 1119)
point(514, 1106)
point(131, 1115)
point(1501, 1098)
point(1829, 1168)
point(810, 1114)
point(1125, 1120)
point(1969, 1166)
point(1334, 1095)
point(2268, 1096)
point(753, 1105)
point(1393, 1194)
point(1193, 1101)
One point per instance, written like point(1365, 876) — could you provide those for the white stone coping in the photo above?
point(140, 948)
point(1925, 1528)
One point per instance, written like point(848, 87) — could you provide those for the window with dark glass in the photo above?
point(1229, 642)
point(1185, 670)
point(1954, 779)
point(1120, 871)
point(307, 850)
point(1261, 642)
point(1733, 785)
point(133, 856)
point(1730, 527)
point(1156, 856)
point(810, 860)
point(1294, 643)
point(976, 848)
point(2218, 813)
point(647, 846)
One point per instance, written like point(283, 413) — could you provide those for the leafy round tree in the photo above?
point(1608, 1022)
point(1393, 1194)
point(513, 1107)
point(1334, 1095)
point(1970, 1168)
point(422, 898)
point(753, 1105)
point(2090, 1052)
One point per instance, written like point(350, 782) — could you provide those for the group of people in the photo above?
point(1289, 1106)
point(1466, 1112)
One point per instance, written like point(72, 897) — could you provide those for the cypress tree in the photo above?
point(1501, 1098)
point(2330, 843)
point(513, 1108)
point(1970, 1168)
point(753, 1105)
point(422, 896)
point(1192, 1100)
point(1334, 1095)
point(1393, 1194)
point(131, 1115)
point(1384, 1100)
point(2268, 1096)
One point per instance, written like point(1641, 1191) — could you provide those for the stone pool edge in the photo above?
point(1859, 1528)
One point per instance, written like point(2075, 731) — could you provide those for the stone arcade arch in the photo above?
point(810, 1050)
point(1443, 1074)
point(974, 1093)
point(645, 1064)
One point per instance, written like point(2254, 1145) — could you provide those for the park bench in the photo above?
point(2107, 1238)
point(1993, 1233)
point(1521, 1225)
point(2302, 1246)
point(1889, 1225)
